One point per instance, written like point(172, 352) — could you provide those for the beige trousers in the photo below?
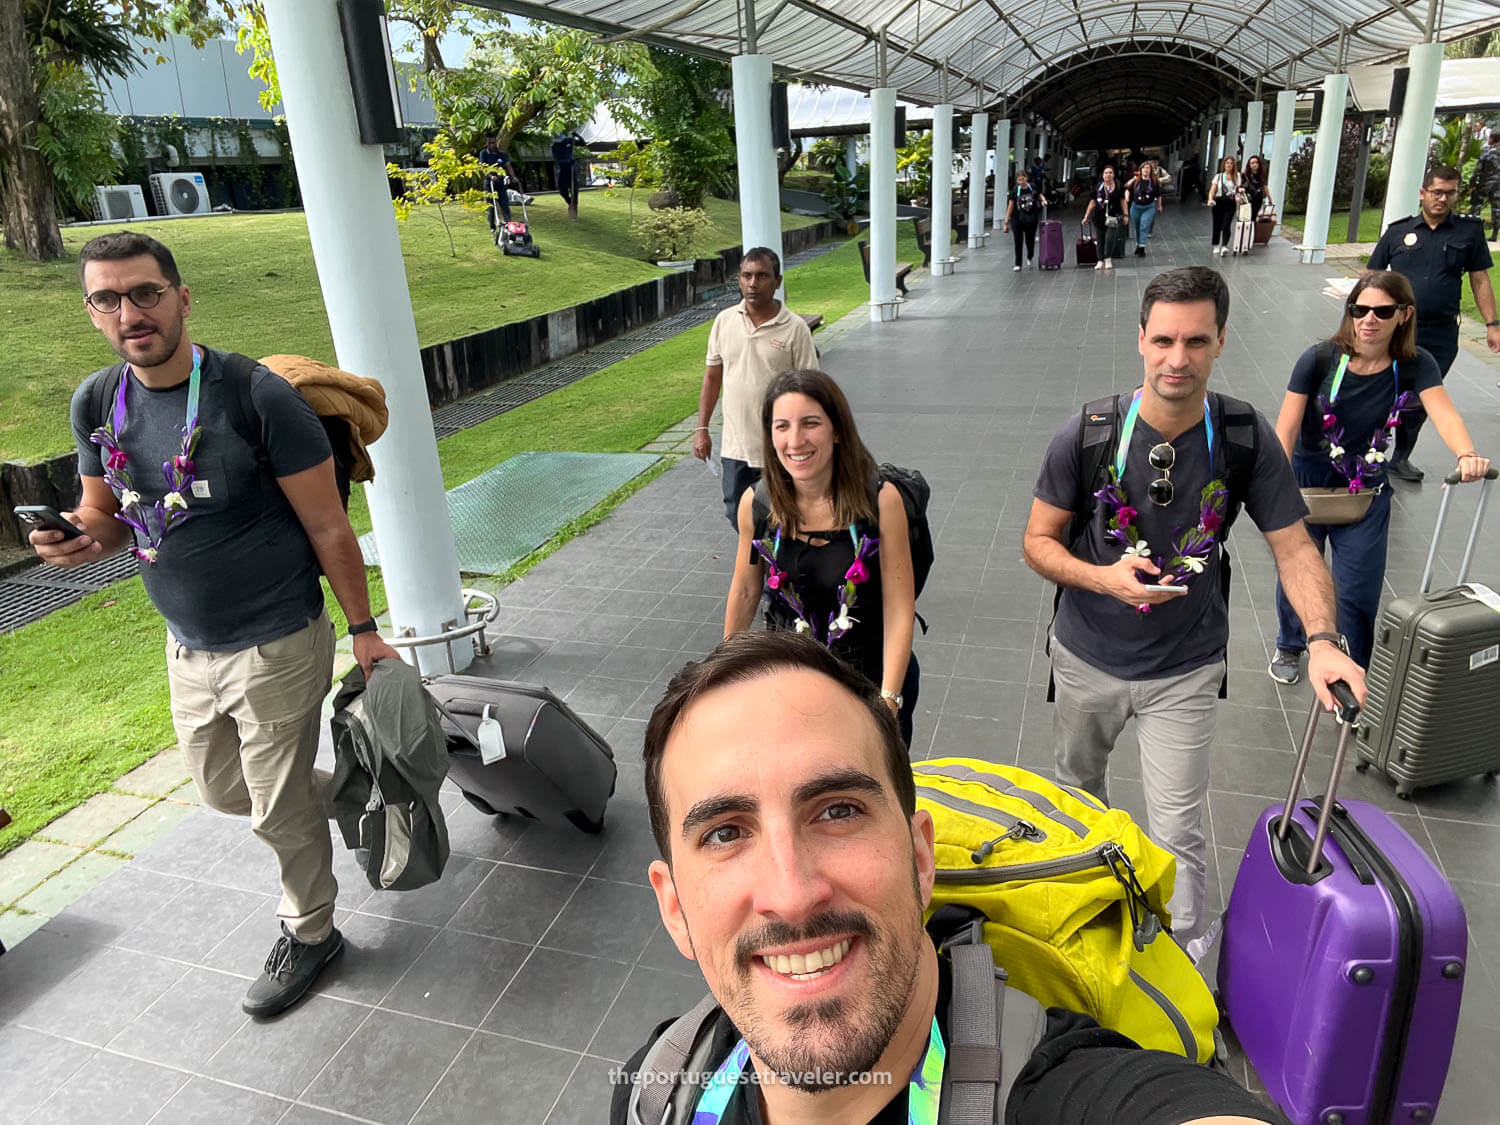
point(247, 723)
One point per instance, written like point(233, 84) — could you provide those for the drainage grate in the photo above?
point(32, 594)
point(22, 604)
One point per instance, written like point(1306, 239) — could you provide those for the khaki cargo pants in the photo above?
point(248, 723)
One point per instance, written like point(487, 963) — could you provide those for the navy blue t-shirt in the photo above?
point(1364, 403)
point(242, 570)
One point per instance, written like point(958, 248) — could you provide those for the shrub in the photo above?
point(668, 234)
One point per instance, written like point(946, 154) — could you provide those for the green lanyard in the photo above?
point(1129, 428)
point(923, 1093)
point(1338, 378)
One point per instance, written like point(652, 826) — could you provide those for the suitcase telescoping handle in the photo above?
point(1437, 532)
point(1348, 711)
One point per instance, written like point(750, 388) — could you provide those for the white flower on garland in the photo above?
point(1374, 457)
point(129, 498)
point(1193, 563)
point(1336, 451)
point(803, 626)
point(844, 622)
point(1140, 548)
point(174, 500)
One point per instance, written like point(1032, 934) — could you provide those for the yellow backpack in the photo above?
point(1074, 898)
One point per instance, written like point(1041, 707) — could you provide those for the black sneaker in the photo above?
point(289, 972)
point(1287, 667)
point(1140, 251)
point(1405, 470)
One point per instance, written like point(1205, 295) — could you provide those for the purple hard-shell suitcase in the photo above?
point(1050, 245)
point(1343, 959)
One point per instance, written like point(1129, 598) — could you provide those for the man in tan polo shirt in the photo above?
point(749, 344)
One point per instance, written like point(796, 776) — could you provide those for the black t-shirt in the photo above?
point(1079, 1074)
point(1028, 205)
point(1143, 190)
point(1364, 403)
point(1110, 199)
point(1433, 259)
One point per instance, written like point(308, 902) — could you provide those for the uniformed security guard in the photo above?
point(1433, 249)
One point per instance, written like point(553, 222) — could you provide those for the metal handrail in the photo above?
point(477, 619)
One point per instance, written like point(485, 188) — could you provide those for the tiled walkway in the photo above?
point(506, 992)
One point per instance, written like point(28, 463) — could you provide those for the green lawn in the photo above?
point(255, 290)
point(1370, 225)
point(83, 691)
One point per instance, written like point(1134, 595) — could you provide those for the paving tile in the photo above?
point(195, 845)
point(249, 866)
point(480, 834)
point(587, 1094)
point(558, 999)
point(435, 903)
point(281, 1056)
point(457, 978)
point(385, 1071)
point(98, 817)
point(558, 846)
point(499, 1080)
point(36, 1064)
point(648, 998)
point(111, 1090)
point(661, 953)
point(106, 993)
point(188, 1022)
point(630, 909)
point(516, 903)
point(16, 927)
point(26, 866)
point(1468, 852)
point(202, 1101)
point(197, 919)
point(151, 825)
point(376, 952)
point(157, 776)
point(629, 847)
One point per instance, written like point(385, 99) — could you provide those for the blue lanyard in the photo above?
point(1129, 428)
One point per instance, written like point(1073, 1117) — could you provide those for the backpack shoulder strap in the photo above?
point(1098, 431)
point(992, 1030)
point(105, 389)
point(1240, 432)
point(760, 510)
point(659, 1080)
point(239, 407)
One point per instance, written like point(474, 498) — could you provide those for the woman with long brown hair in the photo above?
point(825, 539)
point(1222, 197)
point(1338, 423)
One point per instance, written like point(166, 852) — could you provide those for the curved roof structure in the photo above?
point(1092, 68)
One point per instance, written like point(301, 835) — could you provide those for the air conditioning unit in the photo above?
point(119, 201)
point(180, 193)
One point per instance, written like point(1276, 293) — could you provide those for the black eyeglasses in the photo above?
point(142, 297)
point(1382, 312)
point(1442, 193)
point(1161, 458)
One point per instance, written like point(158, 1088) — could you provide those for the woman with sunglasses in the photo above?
point(1347, 398)
point(826, 540)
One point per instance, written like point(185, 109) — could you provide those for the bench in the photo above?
point(923, 228)
point(902, 268)
point(814, 321)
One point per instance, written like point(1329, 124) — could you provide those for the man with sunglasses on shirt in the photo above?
point(1125, 642)
point(1433, 249)
point(231, 540)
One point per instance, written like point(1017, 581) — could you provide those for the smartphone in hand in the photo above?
point(1168, 589)
point(47, 518)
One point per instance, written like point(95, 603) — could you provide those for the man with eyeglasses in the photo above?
point(1433, 249)
point(231, 538)
point(1132, 505)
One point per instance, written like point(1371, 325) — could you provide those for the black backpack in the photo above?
point(1099, 434)
point(243, 417)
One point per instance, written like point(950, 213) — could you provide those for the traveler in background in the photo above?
point(1143, 195)
point(829, 545)
point(1341, 411)
point(1107, 211)
point(749, 344)
point(1222, 197)
point(1192, 178)
point(1254, 183)
point(1433, 249)
point(1027, 207)
point(1485, 183)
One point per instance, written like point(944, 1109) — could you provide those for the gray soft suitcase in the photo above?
point(1434, 677)
point(555, 766)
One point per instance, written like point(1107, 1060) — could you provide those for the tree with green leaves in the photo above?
point(687, 123)
point(449, 177)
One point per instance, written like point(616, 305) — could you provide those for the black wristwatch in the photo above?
point(1492, 324)
point(363, 627)
point(1338, 639)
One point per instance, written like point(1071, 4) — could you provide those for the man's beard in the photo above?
point(164, 344)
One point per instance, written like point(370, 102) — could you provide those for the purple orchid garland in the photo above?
point(780, 585)
point(171, 510)
point(1352, 466)
point(1194, 545)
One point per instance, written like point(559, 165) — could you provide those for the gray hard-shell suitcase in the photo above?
point(555, 766)
point(1434, 677)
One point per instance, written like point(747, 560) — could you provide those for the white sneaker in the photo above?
point(1098, 265)
point(1198, 948)
point(1015, 269)
point(1109, 263)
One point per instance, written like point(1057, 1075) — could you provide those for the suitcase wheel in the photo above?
point(1362, 767)
point(584, 824)
point(1489, 775)
point(482, 805)
point(1403, 794)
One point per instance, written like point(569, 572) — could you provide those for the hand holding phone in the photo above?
point(1168, 589)
point(47, 518)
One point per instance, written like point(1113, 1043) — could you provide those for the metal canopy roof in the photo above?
point(1115, 71)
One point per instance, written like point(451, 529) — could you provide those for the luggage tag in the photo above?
point(491, 738)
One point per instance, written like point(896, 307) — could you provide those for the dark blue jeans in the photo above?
point(736, 476)
point(1358, 567)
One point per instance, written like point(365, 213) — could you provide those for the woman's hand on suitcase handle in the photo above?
point(1472, 466)
point(1329, 666)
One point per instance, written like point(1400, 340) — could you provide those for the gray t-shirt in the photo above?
point(1188, 632)
point(241, 571)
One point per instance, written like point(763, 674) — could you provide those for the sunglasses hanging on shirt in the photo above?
point(1161, 458)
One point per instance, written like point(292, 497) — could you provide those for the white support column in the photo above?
point(979, 131)
point(1409, 153)
point(884, 303)
point(1041, 144)
point(1019, 142)
point(1255, 129)
point(1206, 144)
point(760, 194)
point(1324, 169)
point(1281, 152)
point(1232, 136)
point(357, 252)
point(851, 154)
point(1002, 172)
point(942, 190)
